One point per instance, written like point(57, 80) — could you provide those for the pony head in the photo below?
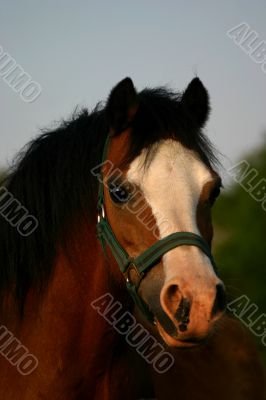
point(159, 180)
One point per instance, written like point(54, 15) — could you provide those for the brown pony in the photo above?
point(66, 314)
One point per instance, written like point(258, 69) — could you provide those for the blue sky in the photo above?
point(78, 50)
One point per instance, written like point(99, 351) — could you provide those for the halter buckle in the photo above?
point(139, 275)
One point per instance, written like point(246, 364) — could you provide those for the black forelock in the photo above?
point(159, 117)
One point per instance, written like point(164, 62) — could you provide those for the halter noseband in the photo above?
point(149, 257)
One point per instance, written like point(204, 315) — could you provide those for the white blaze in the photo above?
point(172, 185)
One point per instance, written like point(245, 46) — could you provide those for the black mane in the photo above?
point(52, 179)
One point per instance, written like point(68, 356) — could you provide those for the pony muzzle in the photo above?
point(192, 310)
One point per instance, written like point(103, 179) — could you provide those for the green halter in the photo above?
point(149, 257)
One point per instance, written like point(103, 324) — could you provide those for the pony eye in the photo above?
point(214, 194)
point(118, 193)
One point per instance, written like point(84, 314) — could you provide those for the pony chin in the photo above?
point(174, 341)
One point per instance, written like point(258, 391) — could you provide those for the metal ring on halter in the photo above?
point(101, 215)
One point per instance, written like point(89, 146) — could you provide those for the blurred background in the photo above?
point(78, 50)
point(240, 239)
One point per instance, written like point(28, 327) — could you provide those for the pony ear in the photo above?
point(121, 106)
point(195, 103)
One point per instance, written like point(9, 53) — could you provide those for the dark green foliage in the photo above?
point(240, 248)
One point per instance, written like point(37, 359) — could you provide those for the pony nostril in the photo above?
point(173, 294)
point(171, 298)
point(178, 306)
point(183, 311)
point(220, 300)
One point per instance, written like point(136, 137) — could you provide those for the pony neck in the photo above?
point(66, 327)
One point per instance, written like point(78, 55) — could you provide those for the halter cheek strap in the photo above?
point(150, 257)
